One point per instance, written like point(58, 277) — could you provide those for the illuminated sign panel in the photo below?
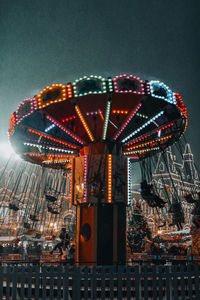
point(128, 84)
point(89, 85)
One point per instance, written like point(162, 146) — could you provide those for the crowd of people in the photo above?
point(65, 247)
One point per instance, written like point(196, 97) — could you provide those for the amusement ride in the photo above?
point(88, 132)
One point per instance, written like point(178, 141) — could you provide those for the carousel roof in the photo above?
point(141, 117)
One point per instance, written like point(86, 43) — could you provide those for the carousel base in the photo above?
point(101, 234)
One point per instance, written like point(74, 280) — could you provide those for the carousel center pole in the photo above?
point(99, 193)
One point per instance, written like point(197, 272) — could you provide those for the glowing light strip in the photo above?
point(128, 181)
point(142, 116)
point(113, 124)
point(143, 137)
point(49, 148)
point(55, 161)
point(110, 85)
point(84, 123)
point(140, 151)
point(127, 121)
point(149, 143)
point(93, 113)
point(158, 84)
point(49, 156)
point(143, 126)
point(51, 138)
point(72, 182)
point(109, 178)
point(101, 115)
point(141, 92)
point(106, 119)
point(69, 90)
point(117, 111)
point(85, 178)
point(33, 105)
point(183, 109)
point(69, 119)
point(49, 128)
point(12, 124)
point(65, 130)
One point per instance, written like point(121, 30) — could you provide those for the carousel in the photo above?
point(89, 131)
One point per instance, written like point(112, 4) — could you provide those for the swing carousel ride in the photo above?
point(90, 130)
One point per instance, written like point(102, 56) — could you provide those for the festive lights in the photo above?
point(128, 84)
point(72, 181)
point(149, 143)
point(143, 126)
point(49, 128)
point(84, 123)
point(109, 178)
point(85, 178)
point(51, 138)
point(114, 114)
point(25, 108)
point(127, 121)
point(106, 119)
point(49, 156)
point(141, 151)
point(101, 115)
point(128, 181)
point(91, 113)
point(69, 90)
point(12, 124)
point(182, 107)
point(110, 85)
point(48, 148)
point(69, 119)
point(123, 112)
point(89, 85)
point(56, 161)
point(51, 94)
point(143, 137)
point(142, 116)
point(160, 90)
point(147, 87)
point(56, 123)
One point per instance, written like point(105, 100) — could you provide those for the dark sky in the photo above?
point(47, 41)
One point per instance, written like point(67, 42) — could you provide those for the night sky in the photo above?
point(45, 41)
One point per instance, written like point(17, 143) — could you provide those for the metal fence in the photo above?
point(101, 282)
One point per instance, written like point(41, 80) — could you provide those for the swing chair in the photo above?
point(177, 214)
point(26, 225)
point(147, 190)
point(53, 209)
point(33, 218)
point(14, 205)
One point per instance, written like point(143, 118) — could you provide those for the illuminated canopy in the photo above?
point(140, 117)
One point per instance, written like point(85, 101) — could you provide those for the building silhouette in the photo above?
point(174, 175)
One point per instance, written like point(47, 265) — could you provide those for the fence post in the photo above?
point(137, 282)
point(119, 282)
point(14, 282)
point(1, 282)
point(94, 283)
point(37, 281)
point(66, 283)
point(76, 286)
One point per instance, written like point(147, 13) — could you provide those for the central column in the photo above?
point(98, 189)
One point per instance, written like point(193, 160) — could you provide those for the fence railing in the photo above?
point(100, 282)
